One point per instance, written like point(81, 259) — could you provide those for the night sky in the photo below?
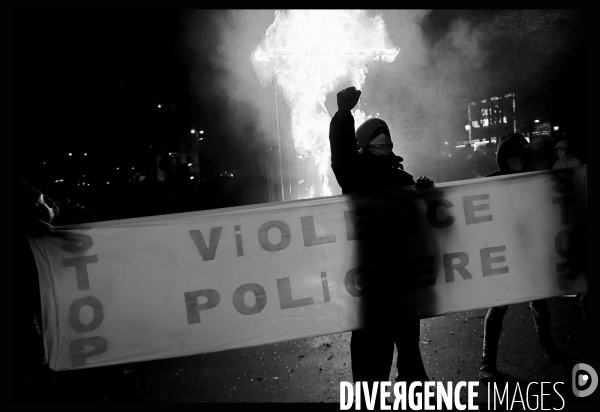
point(78, 76)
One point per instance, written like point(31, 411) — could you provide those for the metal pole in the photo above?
point(198, 153)
point(279, 140)
point(470, 121)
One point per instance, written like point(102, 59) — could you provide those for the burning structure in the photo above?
point(306, 55)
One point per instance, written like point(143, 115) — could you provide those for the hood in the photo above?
point(365, 131)
point(563, 144)
point(508, 144)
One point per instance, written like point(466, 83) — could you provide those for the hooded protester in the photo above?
point(34, 215)
point(514, 156)
point(565, 158)
point(373, 166)
point(369, 167)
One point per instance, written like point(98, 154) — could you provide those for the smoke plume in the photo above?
point(445, 62)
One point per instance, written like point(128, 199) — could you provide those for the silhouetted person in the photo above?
point(32, 379)
point(32, 216)
point(364, 162)
point(514, 156)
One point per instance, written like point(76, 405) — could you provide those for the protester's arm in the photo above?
point(73, 213)
point(342, 140)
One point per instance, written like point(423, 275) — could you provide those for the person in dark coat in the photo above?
point(565, 157)
point(514, 155)
point(373, 166)
point(364, 162)
point(34, 214)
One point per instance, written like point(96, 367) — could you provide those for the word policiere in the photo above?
point(363, 224)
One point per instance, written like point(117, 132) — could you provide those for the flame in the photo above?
point(311, 52)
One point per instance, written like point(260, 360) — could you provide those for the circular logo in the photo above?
point(584, 380)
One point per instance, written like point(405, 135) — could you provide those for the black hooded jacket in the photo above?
point(361, 172)
point(507, 146)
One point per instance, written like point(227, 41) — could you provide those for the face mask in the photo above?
point(516, 164)
point(381, 145)
point(561, 153)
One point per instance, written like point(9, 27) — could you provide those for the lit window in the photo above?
point(484, 117)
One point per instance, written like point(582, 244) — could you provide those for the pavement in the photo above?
point(310, 370)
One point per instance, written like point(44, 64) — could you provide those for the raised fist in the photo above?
point(423, 182)
point(347, 99)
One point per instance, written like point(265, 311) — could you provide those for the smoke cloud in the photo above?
point(222, 42)
point(444, 63)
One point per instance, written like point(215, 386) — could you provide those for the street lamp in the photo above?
point(198, 138)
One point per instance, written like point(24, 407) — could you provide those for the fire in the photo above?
point(310, 53)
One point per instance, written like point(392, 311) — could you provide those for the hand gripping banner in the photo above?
point(175, 285)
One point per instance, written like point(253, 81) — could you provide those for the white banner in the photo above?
point(174, 285)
